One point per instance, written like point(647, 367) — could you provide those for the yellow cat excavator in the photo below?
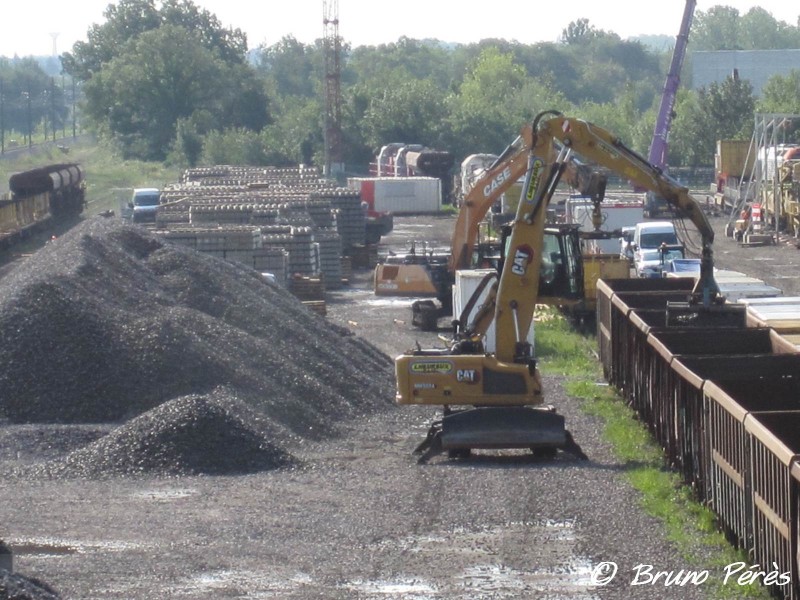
point(495, 400)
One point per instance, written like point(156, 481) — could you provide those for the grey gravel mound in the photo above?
point(108, 322)
point(193, 435)
point(14, 586)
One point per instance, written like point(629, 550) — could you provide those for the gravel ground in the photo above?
point(353, 516)
point(777, 265)
point(18, 587)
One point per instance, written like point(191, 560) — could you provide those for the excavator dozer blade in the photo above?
point(497, 428)
point(503, 427)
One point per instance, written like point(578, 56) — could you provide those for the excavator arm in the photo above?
point(603, 148)
point(510, 303)
point(509, 167)
point(506, 170)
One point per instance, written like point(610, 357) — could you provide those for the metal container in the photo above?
point(690, 443)
point(727, 404)
point(610, 316)
point(668, 413)
point(774, 440)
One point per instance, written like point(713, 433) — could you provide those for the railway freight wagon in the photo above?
point(724, 404)
point(38, 197)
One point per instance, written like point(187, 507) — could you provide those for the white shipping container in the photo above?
point(400, 195)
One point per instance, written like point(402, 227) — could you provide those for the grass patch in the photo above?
point(108, 177)
point(689, 525)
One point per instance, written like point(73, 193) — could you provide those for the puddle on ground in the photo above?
point(390, 302)
point(399, 228)
point(250, 584)
point(51, 547)
point(164, 495)
point(43, 548)
point(407, 589)
point(570, 580)
point(545, 564)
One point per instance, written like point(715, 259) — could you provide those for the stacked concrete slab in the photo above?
point(294, 217)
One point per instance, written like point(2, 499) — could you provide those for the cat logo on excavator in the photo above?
point(522, 258)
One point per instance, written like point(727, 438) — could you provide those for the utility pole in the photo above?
point(2, 118)
point(53, 106)
point(74, 128)
point(28, 110)
point(333, 88)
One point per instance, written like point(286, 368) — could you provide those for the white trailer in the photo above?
point(617, 213)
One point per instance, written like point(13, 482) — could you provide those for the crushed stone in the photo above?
point(193, 435)
point(14, 586)
point(109, 322)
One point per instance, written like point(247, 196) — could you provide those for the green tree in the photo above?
point(716, 29)
point(296, 134)
point(620, 117)
point(419, 59)
point(690, 133)
point(127, 19)
point(290, 68)
point(724, 28)
point(781, 94)
point(28, 101)
point(579, 32)
point(721, 111)
point(234, 146)
point(168, 74)
point(410, 112)
point(484, 115)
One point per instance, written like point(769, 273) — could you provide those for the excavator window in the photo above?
point(561, 273)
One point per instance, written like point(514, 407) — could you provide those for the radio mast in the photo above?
point(333, 88)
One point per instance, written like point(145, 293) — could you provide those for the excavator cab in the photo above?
point(561, 274)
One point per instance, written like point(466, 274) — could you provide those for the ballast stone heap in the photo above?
point(213, 434)
point(14, 586)
point(109, 322)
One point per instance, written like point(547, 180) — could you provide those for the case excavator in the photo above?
point(495, 400)
point(428, 272)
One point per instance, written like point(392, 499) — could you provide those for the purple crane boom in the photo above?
point(659, 145)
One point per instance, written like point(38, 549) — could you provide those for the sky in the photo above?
point(27, 27)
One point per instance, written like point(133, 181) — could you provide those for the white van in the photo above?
point(655, 243)
point(144, 203)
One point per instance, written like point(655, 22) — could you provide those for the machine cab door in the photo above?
point(561, 273)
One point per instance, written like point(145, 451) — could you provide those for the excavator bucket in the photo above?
point(498, 427)
point(684, 314)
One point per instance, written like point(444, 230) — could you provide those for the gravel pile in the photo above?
point(193, 435)
point(14, 586)
point(108, 322)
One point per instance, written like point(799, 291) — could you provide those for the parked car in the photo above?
point(655, 243)
point(144, 203)
point(683, 267)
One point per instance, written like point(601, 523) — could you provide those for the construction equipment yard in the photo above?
point(296, 479)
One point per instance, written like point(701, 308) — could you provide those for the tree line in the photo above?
point(169, 82)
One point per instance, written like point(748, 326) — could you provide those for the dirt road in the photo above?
point(359, 519)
